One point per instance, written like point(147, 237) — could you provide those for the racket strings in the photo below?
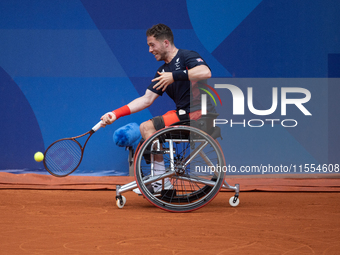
point(63, 156)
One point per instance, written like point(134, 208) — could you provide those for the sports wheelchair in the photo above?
point(194, 165)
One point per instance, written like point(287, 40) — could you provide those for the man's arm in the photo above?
point(134, 106)
point(143, 102)
point(197, 73)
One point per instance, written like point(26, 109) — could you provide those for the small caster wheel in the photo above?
point(234, 203)
point(120, 202)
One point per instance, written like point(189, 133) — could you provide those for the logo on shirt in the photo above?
point(199, 60)
point(177, 64)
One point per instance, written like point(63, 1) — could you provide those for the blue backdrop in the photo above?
point(65, 63)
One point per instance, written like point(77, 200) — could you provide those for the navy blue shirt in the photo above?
point(179, 91)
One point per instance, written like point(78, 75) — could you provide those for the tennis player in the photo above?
point(178, 77)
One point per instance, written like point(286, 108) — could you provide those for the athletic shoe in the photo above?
point(155, 187)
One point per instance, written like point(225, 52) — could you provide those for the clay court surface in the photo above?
point(39, 220)
point(88, 222)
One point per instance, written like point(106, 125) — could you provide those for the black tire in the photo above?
point(194, 184)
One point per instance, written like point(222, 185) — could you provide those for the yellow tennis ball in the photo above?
point(38, 156)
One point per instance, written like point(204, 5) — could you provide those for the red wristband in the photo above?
point(122, 111)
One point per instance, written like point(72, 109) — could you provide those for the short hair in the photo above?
point(161, 32)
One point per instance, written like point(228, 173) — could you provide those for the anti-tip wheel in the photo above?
point(231, 201)
point(121, 202)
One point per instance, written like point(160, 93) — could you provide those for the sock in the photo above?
point(159, 168)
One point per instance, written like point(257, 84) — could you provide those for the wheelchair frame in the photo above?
point(192, 191)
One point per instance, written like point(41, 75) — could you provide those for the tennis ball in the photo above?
point(38, 156)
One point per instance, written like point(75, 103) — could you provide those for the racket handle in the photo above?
point(97, 126)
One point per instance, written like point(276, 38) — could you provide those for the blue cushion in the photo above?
point(128, 135)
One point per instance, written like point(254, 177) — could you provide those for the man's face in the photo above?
point(157, 48)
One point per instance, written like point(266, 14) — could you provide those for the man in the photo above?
point(177, 77)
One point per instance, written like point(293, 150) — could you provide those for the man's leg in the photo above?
point(149, 127)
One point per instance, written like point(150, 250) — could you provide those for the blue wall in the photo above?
point(65, 63)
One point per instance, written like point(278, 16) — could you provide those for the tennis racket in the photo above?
point(64, 156)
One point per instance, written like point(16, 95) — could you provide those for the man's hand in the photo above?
point(164, 80)
point(108, 119)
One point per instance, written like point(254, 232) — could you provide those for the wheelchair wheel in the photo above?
point(193, 163)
